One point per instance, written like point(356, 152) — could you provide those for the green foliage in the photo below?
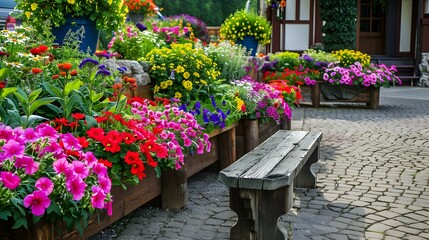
point(321, 56)
point(285, 60)
point(340, 24)
point(230, 59)
point(218, 9)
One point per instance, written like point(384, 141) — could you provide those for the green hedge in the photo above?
point(340, 24)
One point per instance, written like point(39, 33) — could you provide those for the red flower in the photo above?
point(66, 66)
point(105, 162)
point(78, 116)
point(83, 142)
point(43, 48)
point(61, 121)
point(74, 72)
point(110, 145)
point(2, 84)
point(132, 157)
point(100, 119)
point(128, 137)
point(36, 70)
point(55, 76)
point(138, 170)
point(114, 136)
point(96, 133)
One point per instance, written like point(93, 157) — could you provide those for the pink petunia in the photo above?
point(44, 130)
point(28, 163)
point(70, 142)
point(97, 198)
point(90, 159)
point(100, 169)
point(38, 202)
point(29, 135)
point(77, 187)
point(61, 166)
point(105, 183)
point(45, 185)
point(80, 169)
point(12, 149)
point(10, 180)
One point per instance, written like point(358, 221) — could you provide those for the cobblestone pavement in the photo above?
point(373, 178)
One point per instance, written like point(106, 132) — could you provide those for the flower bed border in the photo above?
point(369, 95)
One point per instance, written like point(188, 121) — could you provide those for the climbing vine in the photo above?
point(339, 29)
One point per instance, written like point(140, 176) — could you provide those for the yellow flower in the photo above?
point(187, 85)
point(177, 95)
point(156, 89)
point(186, 75)
point(169, 82)
point(180, 69)
point(240, 105)
point(33, 6)
point(196, 74)
point(71, 1)
point(203, 82)
point(164, 84)
point(28, 14)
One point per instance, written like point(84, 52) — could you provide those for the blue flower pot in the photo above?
point(90, 37)
point(250, 43)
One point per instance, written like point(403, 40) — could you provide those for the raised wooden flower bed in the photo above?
point(325, 92)
point(124, 202)
point(223, 153)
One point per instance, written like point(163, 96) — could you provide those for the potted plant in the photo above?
point(138, 9)
point(246, 26)
point(72, 14)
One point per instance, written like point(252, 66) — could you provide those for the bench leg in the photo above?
point(307, 178)
point(258, 212)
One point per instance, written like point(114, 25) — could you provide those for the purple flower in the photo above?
point(103, 71)
point(122, 69)
point(308, 58)
point(141, 27)
point(88, 61)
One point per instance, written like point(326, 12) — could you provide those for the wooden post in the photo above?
point(374, 97)
point(174, 189)
point(251, 134)
point(227, 149)
point(306, 178)
point(286, 124)
point(143, 92)
point(315, 95)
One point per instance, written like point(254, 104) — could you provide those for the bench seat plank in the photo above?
point(253, 177)
point(287, 170)
point(229, 176)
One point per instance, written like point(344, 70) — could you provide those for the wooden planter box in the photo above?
point(324, 92)
point(222, 153)
point(251, 132)
point(124, 202)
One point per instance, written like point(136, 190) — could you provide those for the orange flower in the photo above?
point(36, 70)
point(283, 3)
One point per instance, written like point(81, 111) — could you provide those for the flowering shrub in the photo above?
point(155, 134)
point(146, 7)
point(348, 57)
point(230, 59)
point(133, 41)
point(108, 15)
point(218, 112)
point(241, 23)
point(182, 72)
point(173, 31)
point(260, 100)
point(284, 60)
point(356, 74)
point(290, 93)
point(47, 174)
point(295, 77)
point(199, 28)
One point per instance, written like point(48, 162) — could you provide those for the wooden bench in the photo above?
point(261, 182)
